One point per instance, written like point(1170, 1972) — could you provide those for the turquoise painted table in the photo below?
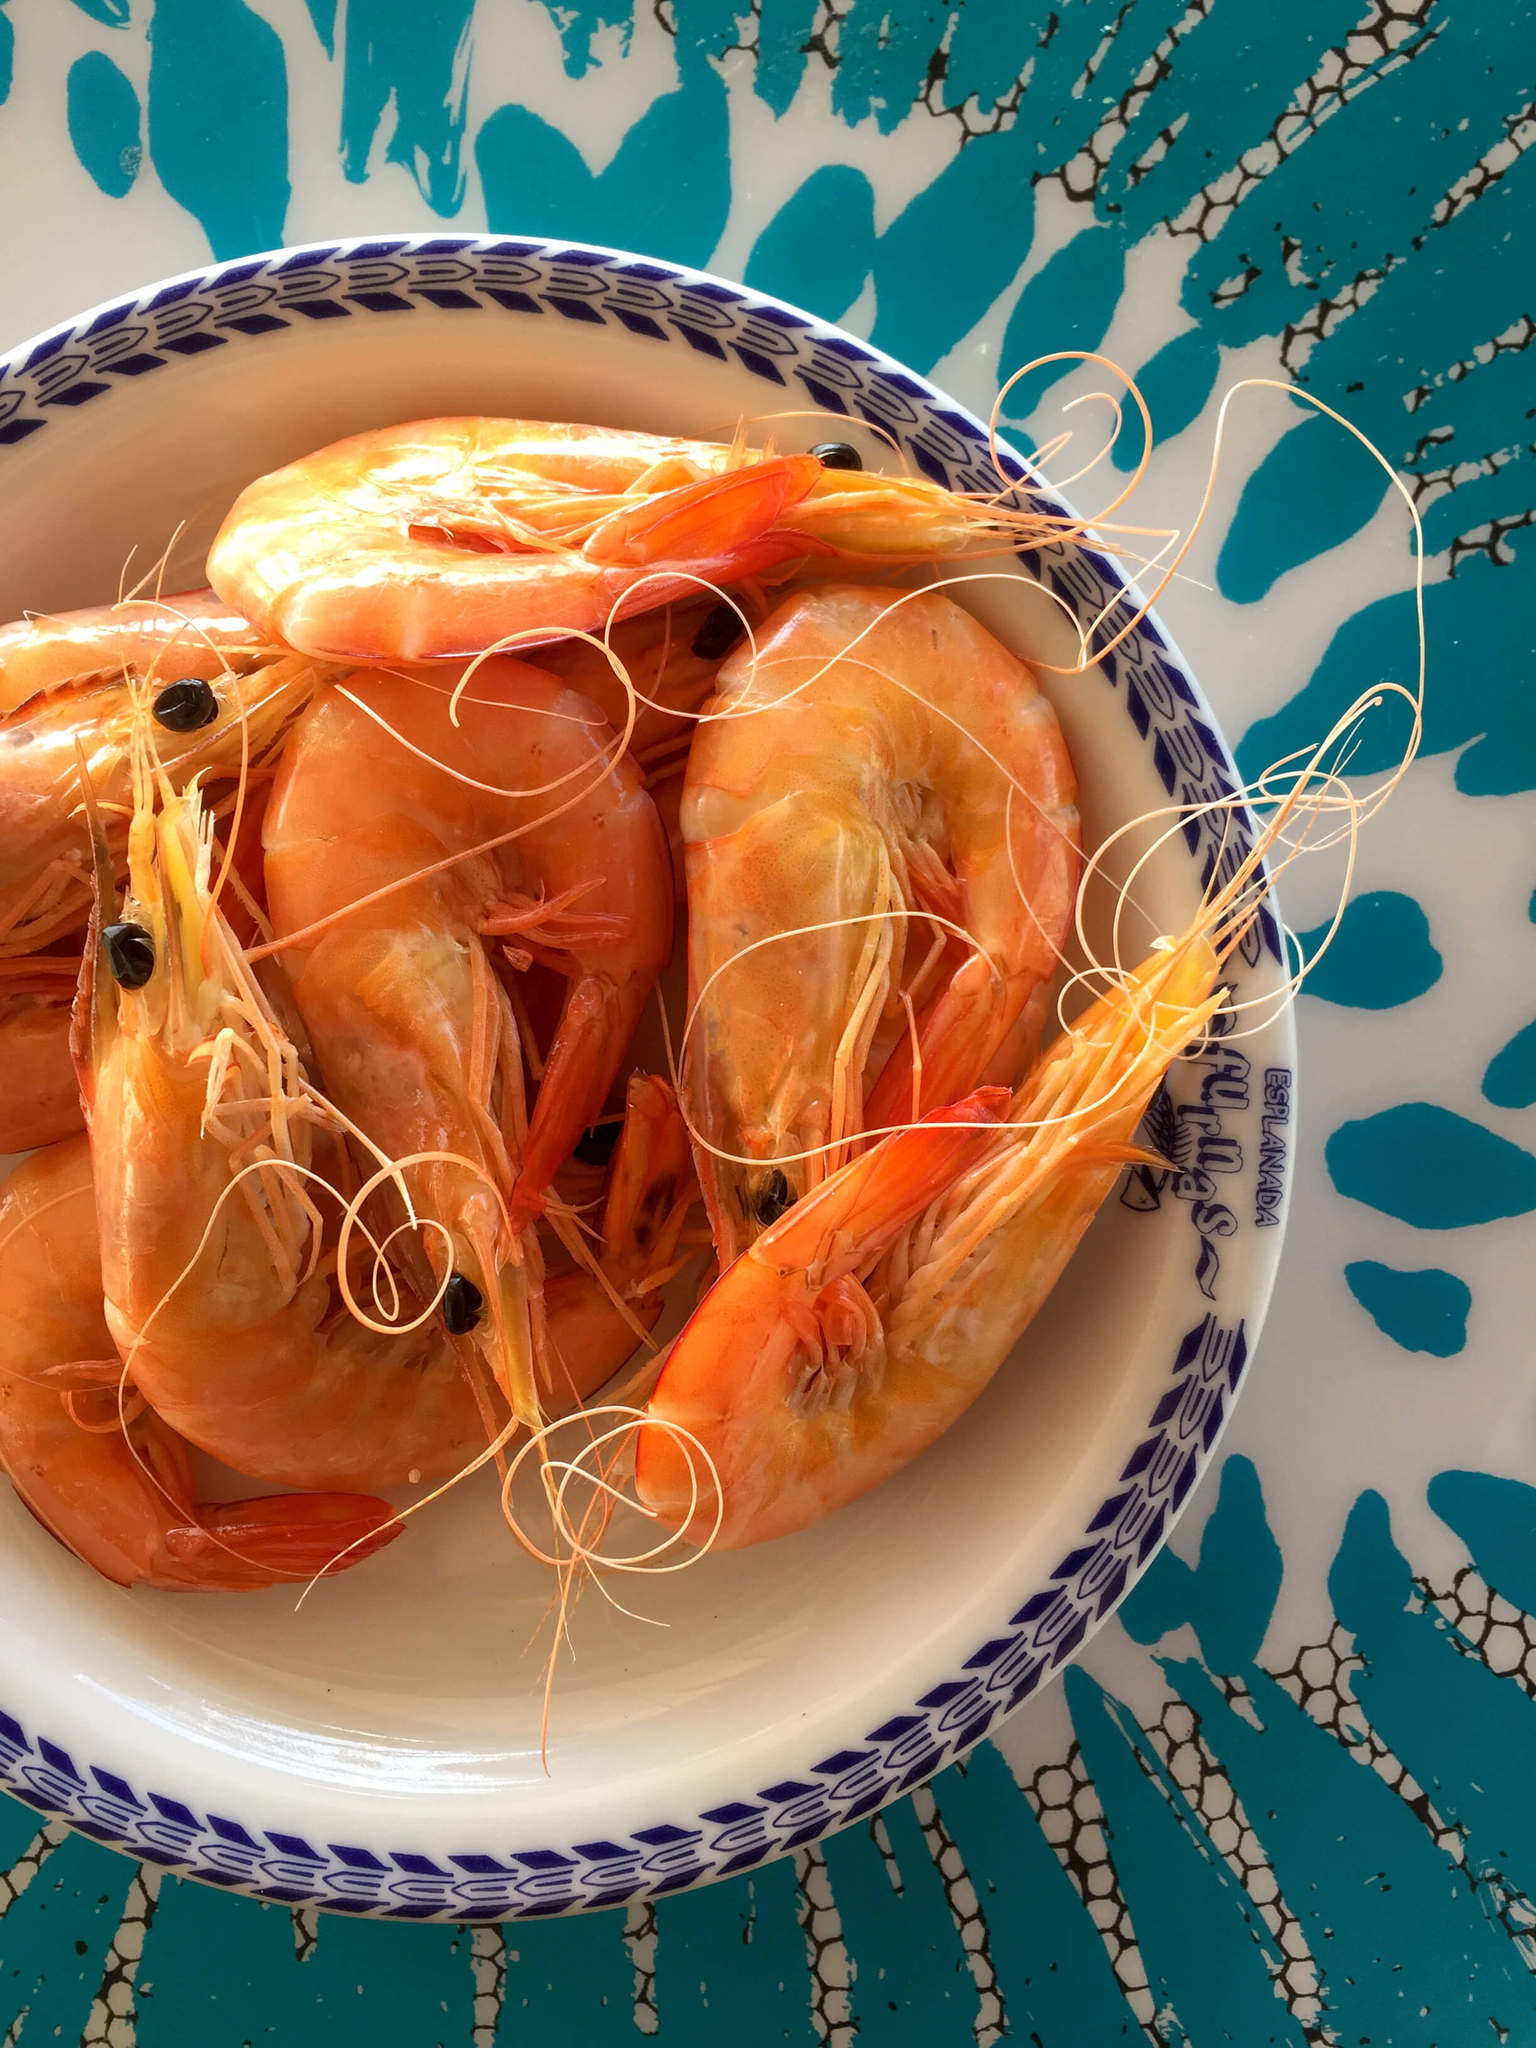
point(1290, 1796)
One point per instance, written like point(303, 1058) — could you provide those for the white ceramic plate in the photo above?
point(377, 1751)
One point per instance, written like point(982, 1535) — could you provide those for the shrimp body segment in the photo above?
point(40, 1102)
point(440, 537)
point(778, 1372)
point(189, 635)
point(869, 764)
point(803, 1413)
point(400, 848)
point(115, 1486)
point(221, 1291)
point(671, 655)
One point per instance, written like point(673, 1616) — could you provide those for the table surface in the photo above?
point(1288, 1797)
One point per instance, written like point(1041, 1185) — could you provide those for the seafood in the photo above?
point(221, 1293)
point(397, 843)
point(117, 1489)
point(854, 1331)
point(83, 727)
point(190, 636)
point(439, 538)
point(778, 1374)
point(672, 657)
point(595, 1320)
point(874, 764)
point(40, 1102)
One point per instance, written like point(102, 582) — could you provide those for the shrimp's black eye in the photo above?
point(771, 1199)
point(595, 1145)
point(463, 1305)
point(186, 706)
point(721, 629)
point(130, 952)
point(837, 455)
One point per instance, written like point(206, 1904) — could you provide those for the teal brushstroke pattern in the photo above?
point(894, 2004)
point(735, 1949)
point(218, 119)
point(1460, 1728)
point(796, 260)
point(221, 1973)
point(1055, 1983)
point(1405, 1948)
point(667, 190)
point(1220, 1987)
point(1422, 1311)
point(102, 112)
point(411, 63)
point(1496, 1520)
point(1510, 1078)
point(1380, 956)
point(1477, 644)
point(1431, 1167)
point(55, 1938)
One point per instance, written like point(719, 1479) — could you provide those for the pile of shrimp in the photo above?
point(553, 879)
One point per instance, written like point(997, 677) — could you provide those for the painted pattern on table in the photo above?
point(1354, 1835)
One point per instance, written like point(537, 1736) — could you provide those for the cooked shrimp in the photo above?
point(40, 1101)
point(871, 766)
point(850, 1336)
point(119, 1492)
point(398, 842)
point(595, 1320)
point(218, 1287)
point(671, 656)
point(442, 537)
point(190, 637)
point(769, 1375)
point(202, 725)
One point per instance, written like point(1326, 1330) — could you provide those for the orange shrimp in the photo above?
point(203, 725)
point(397, 843)
point(672, 657)
point(595, 1321)
point(220, 1290)
point(766, 1375)
point(40, 1102)
point(859, 1327)
point(188, 637)
point(440, 538)
point(117, 1490)
point(873, 766)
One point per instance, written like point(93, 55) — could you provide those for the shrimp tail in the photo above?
point(719, 519)
point(278, 1539)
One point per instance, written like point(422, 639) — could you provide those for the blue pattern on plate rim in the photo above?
point(264, 295)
